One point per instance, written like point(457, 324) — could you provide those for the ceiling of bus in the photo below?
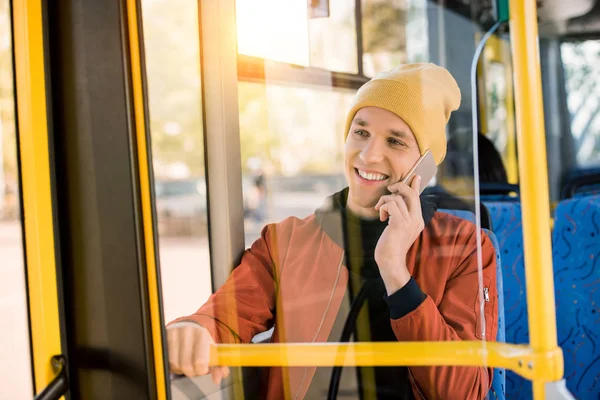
point(586, 24)
point(556, 17)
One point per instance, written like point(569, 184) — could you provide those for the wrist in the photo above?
point(395, 278)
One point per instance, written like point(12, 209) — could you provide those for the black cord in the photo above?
point(336, 373)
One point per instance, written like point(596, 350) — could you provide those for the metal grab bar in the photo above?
point(60, 384)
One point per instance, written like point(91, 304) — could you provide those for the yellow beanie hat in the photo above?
point(422, 94)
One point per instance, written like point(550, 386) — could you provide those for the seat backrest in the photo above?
point(583, 182)
point(464, 214)
point(576, 254)
point(507, 226)
point(588, 190)
point(448, 201)
point(491, 191)
point(497, 391)
point(499, 197)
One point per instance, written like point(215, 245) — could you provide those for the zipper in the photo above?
point(486, 294)
point(415, 384)
point(337, 278)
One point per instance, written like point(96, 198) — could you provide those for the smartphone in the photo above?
point(425, 167)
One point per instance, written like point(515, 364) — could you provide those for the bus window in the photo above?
point(15, 368)
point(287, 35)
point(280, 181)
point(174, 93)
point(394, 32)
point(580, 61)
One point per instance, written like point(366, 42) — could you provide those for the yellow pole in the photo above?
point(144, 170)
point(534, 181)
point(37, 193)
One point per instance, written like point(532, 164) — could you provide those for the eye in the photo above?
point(396, 142)
point(361, 132)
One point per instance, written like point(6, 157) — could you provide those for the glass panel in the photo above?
point(394, 32)
point(327, 51)
point(498, 124)
point(173, 72)
point(324, 262)
point(15, 367)
point(280, 181)
point(581, 60)
point(282, 31)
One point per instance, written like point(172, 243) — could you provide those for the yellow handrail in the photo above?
point(534, 183)
point(519, 358)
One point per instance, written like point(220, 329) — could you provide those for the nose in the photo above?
point(372, 153)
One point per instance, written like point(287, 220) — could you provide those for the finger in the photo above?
point(397, 187)
point(186, 352)
point(216, 375)
point(416, 183)
point(202, 354)
point(383, 200)
point(410, 196)
point(383, 212)
point(399, 200)
point(389, 198)
point(397, 209)
point(173, 350)
point(403, 188)
point(414, 204)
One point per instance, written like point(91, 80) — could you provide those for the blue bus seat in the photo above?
point(498, 389)
point(498, 198)
point(507, 226)
point(464, 214)
point(581, 182)
point(576, 252)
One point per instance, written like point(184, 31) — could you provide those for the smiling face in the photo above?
point(380, 150)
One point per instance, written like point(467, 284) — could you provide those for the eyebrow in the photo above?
point(393, 132)
point(361, 122)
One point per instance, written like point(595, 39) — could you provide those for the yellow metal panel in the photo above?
point(519, 358)
point(534, 180)
point(35, 177)
point(138, 102)
point(498, 50)
point(512, 170)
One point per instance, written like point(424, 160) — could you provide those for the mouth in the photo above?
point(370, 177)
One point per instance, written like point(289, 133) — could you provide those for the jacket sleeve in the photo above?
point(457, 317)
point(245, 305)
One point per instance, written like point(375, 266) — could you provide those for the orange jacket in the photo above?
point(293, 277)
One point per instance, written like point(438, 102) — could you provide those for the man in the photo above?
point(374, 262)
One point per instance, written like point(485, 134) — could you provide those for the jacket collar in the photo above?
point(329, 215)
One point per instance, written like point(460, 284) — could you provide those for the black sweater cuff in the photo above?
point(405, 300)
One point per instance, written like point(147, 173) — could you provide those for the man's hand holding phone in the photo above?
point(402, 209)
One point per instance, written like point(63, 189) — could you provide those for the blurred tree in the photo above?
point(172, 48)
point(582, 69)
point(7, 110)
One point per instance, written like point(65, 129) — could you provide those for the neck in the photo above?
point(368, 213)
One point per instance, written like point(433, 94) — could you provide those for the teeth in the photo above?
point(371, 176)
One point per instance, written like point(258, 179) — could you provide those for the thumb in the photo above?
point(416, 183)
